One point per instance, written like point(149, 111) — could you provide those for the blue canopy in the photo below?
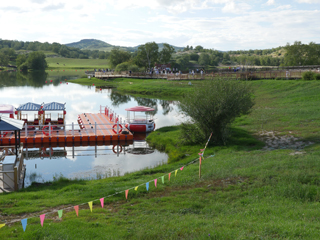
point(53, 106)
point(10, 124)
point(29, 107)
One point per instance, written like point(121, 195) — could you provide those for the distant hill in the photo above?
point(94, 44)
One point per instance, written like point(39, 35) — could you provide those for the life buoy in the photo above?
point(44, 152)
point(4, 134)
point(114, 127)
point(115, 146)
point(46, 133)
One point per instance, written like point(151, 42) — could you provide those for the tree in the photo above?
point(194, 56)
point(183, 61)
point(212, 107)
point(37, 61)
point(198, 48)
point(166, 53)
point(22, 58)
point(204, 59)
point(118, 56)
point(4, 59)
point(147, 55)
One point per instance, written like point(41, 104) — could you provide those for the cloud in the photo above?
point(38, 1)
point(53, 7)
point(308, 1)
point(283, 7)
point(270, 2)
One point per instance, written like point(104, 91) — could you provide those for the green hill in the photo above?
point(93, 44)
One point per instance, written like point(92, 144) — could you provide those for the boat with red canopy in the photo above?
point(140, 123)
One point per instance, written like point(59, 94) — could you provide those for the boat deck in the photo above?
point(93, 128)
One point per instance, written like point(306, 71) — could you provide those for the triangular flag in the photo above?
point(60, 213)
point(201, 150)
point(127, 191)
point(155, 182)
point(102, 202)
point(169, 176)
point(201, 154)
point(24, 223)
point(42, 216)
point(77, 210)
point(2, 225)
point(200, 160)
point(162, 178)
point(136, 188)
point(181, 168)
point(90, 205)
point(147, 186)
point(175, 173)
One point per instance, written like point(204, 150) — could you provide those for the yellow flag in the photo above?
point(2, 225)
point(90, 205)
point(136, 188)
point(175, 173)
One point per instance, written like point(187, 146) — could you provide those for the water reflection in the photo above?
point(44, 162)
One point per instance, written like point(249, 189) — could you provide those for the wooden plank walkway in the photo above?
point(87, 134)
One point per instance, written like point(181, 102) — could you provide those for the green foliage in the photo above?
point(147, 55)
point(215, 105)
point(37, 61)
point(194, 56)
point(183, 61)
point(204, 59)
point(317, 76)
point(21, 59)
point(122, 67)
point(166, 53)
point(308, 75)
point(4, 59)
point(118, 56)
point(299, 54)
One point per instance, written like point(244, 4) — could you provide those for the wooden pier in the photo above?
point(101, 127)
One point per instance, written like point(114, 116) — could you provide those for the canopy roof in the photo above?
point(53, 106)
point(10, 124)
point(140, 109)
point(6, 108)
point(29, 107)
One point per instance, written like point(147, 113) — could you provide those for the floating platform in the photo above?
point(93, 128)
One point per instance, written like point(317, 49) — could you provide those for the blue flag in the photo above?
point(147, 186)
point(24, 223)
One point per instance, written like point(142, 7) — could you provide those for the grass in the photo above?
point(244, 192)
point(67, 63)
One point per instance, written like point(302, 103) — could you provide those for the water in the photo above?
point(89, 162)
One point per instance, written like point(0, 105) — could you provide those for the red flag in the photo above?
point(77, 210)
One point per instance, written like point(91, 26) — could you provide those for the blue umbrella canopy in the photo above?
point(10, 124)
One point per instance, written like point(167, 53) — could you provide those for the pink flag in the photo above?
point(42, 219)
point(181, 168)
point(102, 202)
point(201, 154)
point(127, 191)
point(155, 182)
point(201, 150)
point(77, 210)
point(169, 176)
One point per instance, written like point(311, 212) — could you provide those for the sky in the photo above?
point(214, 24)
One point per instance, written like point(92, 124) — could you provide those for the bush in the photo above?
point(317, 76)
point(213, 107)
point(122, 67)
point(308, 75)
point(133, 68)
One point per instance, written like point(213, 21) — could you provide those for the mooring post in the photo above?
point(95, 128)
point(72, 129)
point(118, 127)
point(49, 129)
point(26, 129)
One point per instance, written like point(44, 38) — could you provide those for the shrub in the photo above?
point(213, 107)
point(122, 67)
point(133, 68)
point(317, 76)
point(308, 75)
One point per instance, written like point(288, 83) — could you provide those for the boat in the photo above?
point(140, 123)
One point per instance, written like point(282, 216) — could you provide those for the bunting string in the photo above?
point(90, 203)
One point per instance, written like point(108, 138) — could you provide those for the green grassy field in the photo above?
point(67, 63)
point(245, 192)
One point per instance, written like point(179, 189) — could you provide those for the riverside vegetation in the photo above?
point(245, 192)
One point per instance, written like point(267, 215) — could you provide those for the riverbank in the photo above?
point(264, 183)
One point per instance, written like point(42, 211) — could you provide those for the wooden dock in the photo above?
point(94, 128)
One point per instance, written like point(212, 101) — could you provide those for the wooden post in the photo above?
point(15, 178)
point(199, 167)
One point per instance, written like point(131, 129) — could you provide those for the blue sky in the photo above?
point(218, 24)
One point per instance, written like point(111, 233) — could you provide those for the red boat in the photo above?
point(140, 123)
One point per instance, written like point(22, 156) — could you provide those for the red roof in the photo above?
point(140, 109)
